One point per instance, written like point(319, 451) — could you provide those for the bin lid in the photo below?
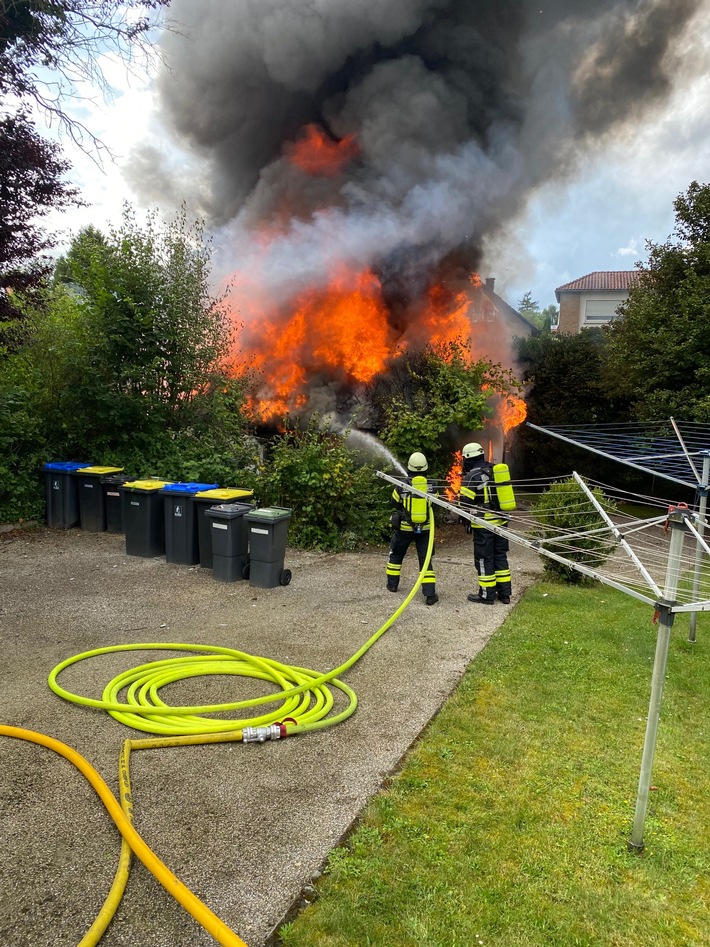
point(145, 485)
point(99, 470)
point(228, 510)
point(271, 513)
point(188, 487)
point(64, 465)
point(225, 493)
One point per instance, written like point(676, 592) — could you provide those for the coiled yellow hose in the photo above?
point(304, 703)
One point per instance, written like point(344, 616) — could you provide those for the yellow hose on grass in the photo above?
point(304, 704)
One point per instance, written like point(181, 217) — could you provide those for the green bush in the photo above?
point(336, 503)
point(429, 396)
point(564, 509)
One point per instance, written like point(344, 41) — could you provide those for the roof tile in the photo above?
point(601, 280)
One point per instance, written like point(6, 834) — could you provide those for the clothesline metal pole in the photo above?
point(702, 508)
point(676, 520)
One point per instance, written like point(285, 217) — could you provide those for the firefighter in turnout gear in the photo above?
point(410, 521)
point(479, 490)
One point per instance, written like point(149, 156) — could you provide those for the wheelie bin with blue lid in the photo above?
point(268, 530)
point(92, 502)
point(203, 501)
point(229, 540)
point(143, 517)
point(60, 492)
point(181, 545)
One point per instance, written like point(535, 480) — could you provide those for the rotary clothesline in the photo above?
point(670, 449)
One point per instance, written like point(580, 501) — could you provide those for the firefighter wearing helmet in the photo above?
point(480, 494)
point(410, 523)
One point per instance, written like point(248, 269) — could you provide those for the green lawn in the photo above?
point(509, 823)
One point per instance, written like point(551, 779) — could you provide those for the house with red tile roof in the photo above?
point(593, 300)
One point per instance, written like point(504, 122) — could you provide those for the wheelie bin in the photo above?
point(203, 501)
point(143, 517)
point(61, 495)
point(92, 502)
point(181, 545)
point(229, 540)
point(268, 529)
point(110, 487)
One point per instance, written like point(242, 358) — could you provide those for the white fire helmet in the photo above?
point(472, 450)
point(417, 463)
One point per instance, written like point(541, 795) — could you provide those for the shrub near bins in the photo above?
point(61, 494)
point(181, 545)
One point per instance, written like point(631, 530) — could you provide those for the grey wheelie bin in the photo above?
point(61, 495)
point(181, 545)
point(143, 517)
point(203, 501)
point(229, 540)
point(92, 501)
point(268, 529)
point(110, 487)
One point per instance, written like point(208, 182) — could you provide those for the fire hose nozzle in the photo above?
point(262, 734)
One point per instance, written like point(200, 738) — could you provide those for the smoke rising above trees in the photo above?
point(460, 108)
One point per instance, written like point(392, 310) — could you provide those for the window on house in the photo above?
point(599, 311)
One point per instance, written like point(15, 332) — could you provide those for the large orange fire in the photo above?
point(342, 332)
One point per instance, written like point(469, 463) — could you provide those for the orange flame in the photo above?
point(454, 477)
point(339, 333)
point(317, 154)
point(513, 412)
point(445, 316)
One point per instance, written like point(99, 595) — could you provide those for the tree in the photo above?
point(429, 396)
point(564, 383)
point(544, 319)
point(658, 354)
point(153, 336)
point(48, 46)
point(31, 172)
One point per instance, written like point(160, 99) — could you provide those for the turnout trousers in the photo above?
point(491, 555)
point(399, 545)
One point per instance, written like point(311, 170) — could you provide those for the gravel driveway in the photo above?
point(245, 826)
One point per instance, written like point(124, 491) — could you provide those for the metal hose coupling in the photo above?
point(261, 734)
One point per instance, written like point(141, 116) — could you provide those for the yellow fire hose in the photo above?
point(305, 702)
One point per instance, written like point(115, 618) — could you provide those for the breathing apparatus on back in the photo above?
point(416, 506)
point(473, 455)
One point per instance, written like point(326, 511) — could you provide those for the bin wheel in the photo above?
point(285, 577)
point(245, 571)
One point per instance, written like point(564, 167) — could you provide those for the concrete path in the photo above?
point(246, 827)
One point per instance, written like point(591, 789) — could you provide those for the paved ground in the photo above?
point(246, 827)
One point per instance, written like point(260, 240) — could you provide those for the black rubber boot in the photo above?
point(432, 599)
point(479, 600)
